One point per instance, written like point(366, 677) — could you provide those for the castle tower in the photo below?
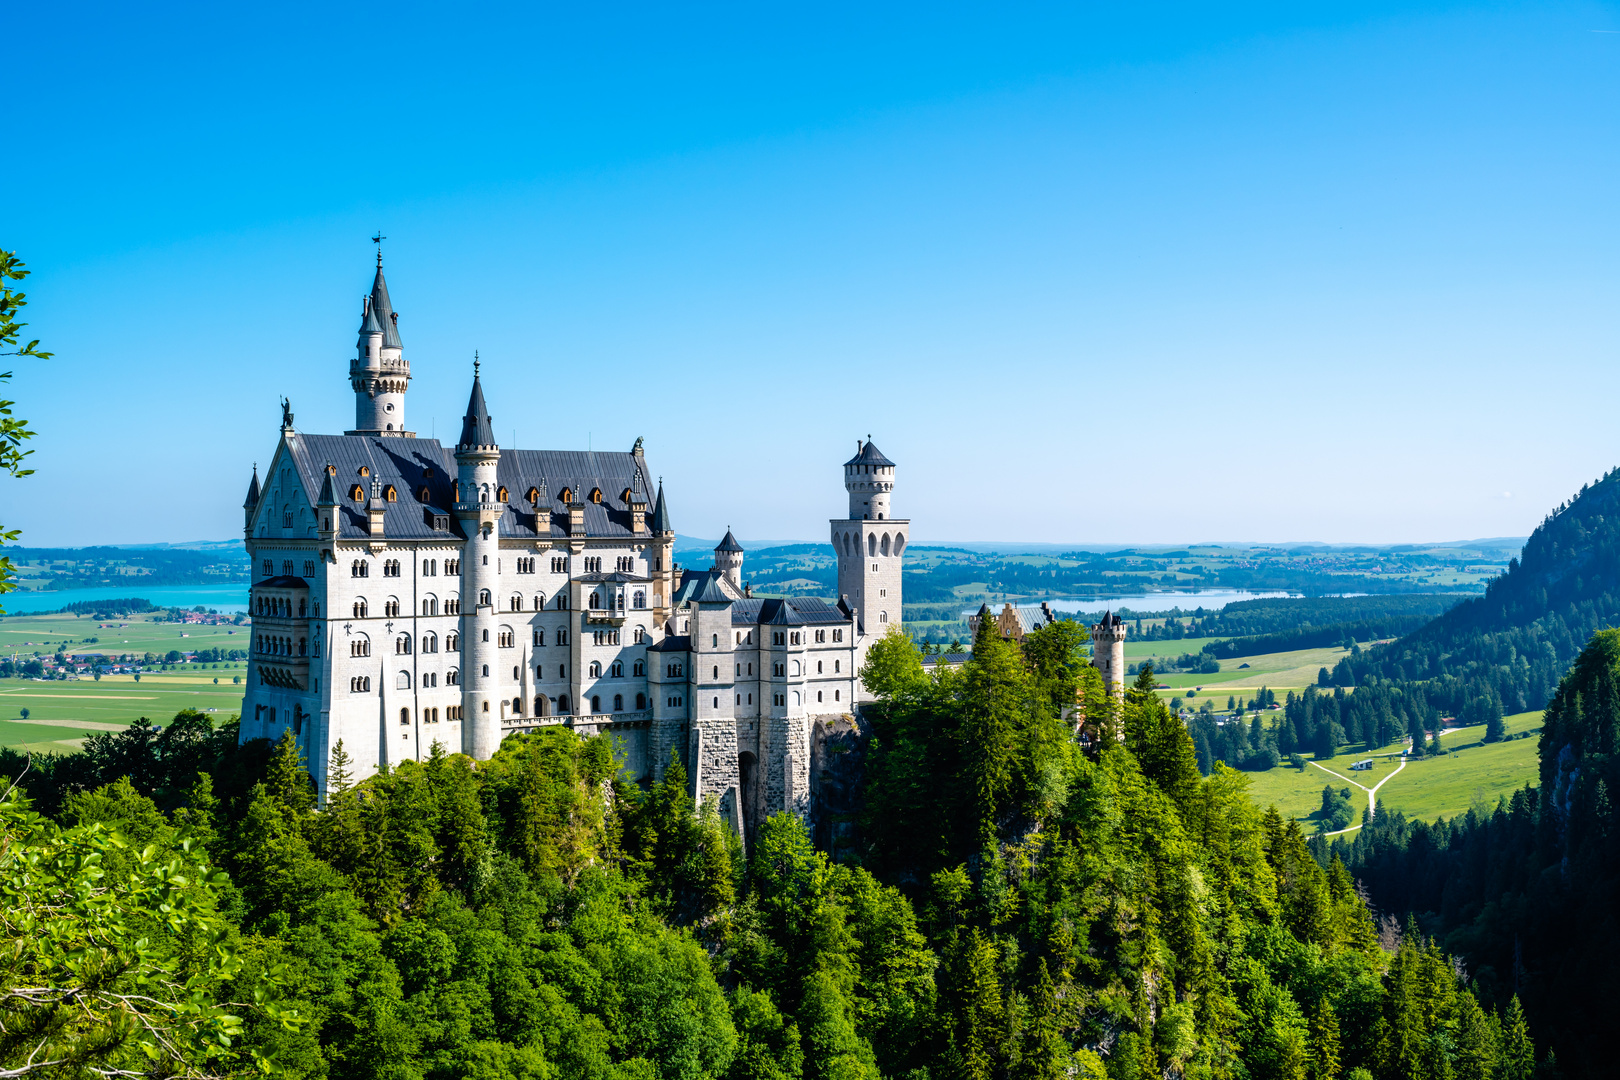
point(479, 510)
point(379, 371)
point(662, 559)
point(869, 545)
point(728, 559)
point(1108, 652)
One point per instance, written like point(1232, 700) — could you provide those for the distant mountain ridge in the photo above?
point(1518, 639)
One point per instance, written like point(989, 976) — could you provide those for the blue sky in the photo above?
point(1182, 273)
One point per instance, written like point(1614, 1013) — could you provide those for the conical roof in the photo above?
point(253, 491)
point(476, 429)
point(660, 520)
point(368, 319)
point(382, 309)
point(327, 497)
point(729, 543)
point(869, 454)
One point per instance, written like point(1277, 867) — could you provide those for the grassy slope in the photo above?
point(1427, 788)
point(28, 634)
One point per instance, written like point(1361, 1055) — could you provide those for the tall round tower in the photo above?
point(479, 510)
point(1108, 652)
point(379, 371)
point(728, 559)
point(869, 478)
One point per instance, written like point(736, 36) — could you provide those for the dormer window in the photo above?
point(365, 470)
point(500, 495)
point(357, 493)
point(625, 498)
point(390, 494)
point(567, 496)
point(533, 496)
point(596, 495)
point(422, 495)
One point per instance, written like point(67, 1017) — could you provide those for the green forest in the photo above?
point(1029, 898)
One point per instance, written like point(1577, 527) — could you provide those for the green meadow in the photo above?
point(62, 714)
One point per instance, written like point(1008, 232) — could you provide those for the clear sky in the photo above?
point(1340, 272)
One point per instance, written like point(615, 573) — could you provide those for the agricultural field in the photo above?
point(25, 635)
point(1281, 672)
point(1469, 774)
point(62, 714)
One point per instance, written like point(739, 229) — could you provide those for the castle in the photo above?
point(406, 593)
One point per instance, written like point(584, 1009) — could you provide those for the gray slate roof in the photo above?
point(382, 310)
point(660, 517)
point(729, 543)
point(476, 428)
point(252, 499)
point(869, 454)
point(404, 463)
point(672, 643)
point(789, 611)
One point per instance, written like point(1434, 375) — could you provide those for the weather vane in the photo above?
point(378, 239)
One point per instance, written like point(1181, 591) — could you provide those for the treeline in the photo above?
point(1514, 643)
point(1314, 722)
point(74, 568)
point(1032, 900)
point(1524, 891)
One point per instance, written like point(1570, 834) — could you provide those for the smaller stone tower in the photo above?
point(379, 371)
point(728, 559)
point(869, 545)
point(1108, 652)
point(662, 558)
point(479, 510)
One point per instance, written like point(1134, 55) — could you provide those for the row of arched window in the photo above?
point(274, 645)
point(279, 606)
point(875, 545)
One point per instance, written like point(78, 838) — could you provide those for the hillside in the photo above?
point(1513, 644)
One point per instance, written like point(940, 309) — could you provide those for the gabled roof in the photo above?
point(660, 518)
point(253, 494)
point(729, 543)
point(711, 591)
point(672, 643)
point(476, 428)
point(383, 311)
point(869, 454)
point(786, 611)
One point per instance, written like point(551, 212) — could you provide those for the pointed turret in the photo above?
point(660, 520)
point(476, 429)
point(728, 559)
point(729, 544)
point(327, 497)
point(379, 372)
point(380, 309)
point(253, 494)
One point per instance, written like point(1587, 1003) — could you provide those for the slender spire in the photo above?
point(660, 519)
point(327, 497)
point(382, 310)
point(476, 427)
point(253, 490)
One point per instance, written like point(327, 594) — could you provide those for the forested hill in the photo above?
point(1517, 640)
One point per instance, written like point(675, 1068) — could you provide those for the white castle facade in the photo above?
point(407, 593)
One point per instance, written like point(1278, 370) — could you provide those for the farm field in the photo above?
point(62, 714)
point(1280, 671)
point(27, 634)
point(1427, 788)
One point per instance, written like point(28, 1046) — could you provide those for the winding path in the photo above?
point(1372, 792)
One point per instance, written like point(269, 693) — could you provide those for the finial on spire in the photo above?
point(475, 363)
point(377, 239)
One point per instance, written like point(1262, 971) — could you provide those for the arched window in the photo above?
point(596, 495)
point(595, 600)
point(596, 703)
point(534, 495)
point(562, 704)
point(641, 701)
point(357, 493)
point(422, 494)
point(899, 542)
point(871, 544)
point(452, 677)
point(402, 645)
point(500, 494)
point(404, 716)
point(403, 682)
point(618, 703)
point(390, 494)
point(596, 669)
point(365, 470)
point(883, 616)
point(542, 705)
point(795, 667)
point(360, 608)
point(452, 642)
point(617, 669)
point(540, 601)
point(430, 643)
point(639, 599)
point(566, 495)
point(884, 547)
point(483, 598)
point(516, 602)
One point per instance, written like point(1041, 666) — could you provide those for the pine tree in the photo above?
point(286, 778)
point(1324, 1042)
point(1518, 1060)
point(338, 776)
point(1478, 1037)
